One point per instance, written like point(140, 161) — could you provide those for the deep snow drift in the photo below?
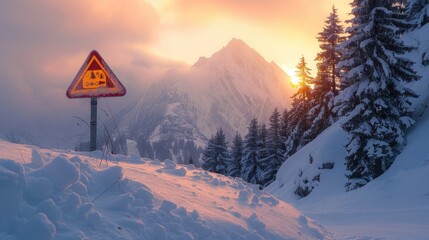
point(47, 194)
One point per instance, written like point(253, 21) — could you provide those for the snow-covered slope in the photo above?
point(48, 194)
point(226, 90)
point(393, 206)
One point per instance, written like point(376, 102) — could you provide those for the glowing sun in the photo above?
point(290, 71)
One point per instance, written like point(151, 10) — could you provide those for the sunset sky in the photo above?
point(44, 42)
point(281, 30)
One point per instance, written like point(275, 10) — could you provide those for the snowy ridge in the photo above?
point(49, 194)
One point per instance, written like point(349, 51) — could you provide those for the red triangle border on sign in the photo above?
point(114, 88)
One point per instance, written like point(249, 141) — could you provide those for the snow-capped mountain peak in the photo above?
point(240, 53)
point(225, 90)
point(236, 50)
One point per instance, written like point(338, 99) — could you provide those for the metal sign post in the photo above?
point(95, 79)
point(93, 124)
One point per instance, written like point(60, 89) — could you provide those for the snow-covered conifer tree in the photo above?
point(251, 153)
point(297, 116)
point(209, 161)
point(262, 140)
point(375, 102)
point(274, 159)
point(275, 143)
point(328, 58)
point(261, 177)
point(284, 130)
point(234, 169)
point(325, 84)
point(216, 156)
point(284, 124)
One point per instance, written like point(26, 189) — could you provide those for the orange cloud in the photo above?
point(281, 30)
point(298, 15)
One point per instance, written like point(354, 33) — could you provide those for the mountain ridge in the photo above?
point(225, 90)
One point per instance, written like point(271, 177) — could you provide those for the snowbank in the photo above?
point(47, 194)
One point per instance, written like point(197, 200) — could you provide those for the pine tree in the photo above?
point(208, 158)
point(251, 153)
point(262, 140)
point(234, 169)
point(275, 143)
point(284, 124)
point(304, 76)
point(261, 177)
point(284, 130)
point(297, 116)
point(274, 159)
point(418, 12)
point(375, 102)
point(216, 156)
point(330, 39)
point(325, 84)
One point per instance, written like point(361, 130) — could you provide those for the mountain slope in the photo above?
point(225, 90)
point(393, 206)
point(397, 202)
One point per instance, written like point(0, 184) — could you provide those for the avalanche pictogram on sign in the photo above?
point(95, 79)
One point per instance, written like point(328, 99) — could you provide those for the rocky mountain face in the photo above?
point(178, 114)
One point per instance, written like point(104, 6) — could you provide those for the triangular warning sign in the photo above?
point(95, 79)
